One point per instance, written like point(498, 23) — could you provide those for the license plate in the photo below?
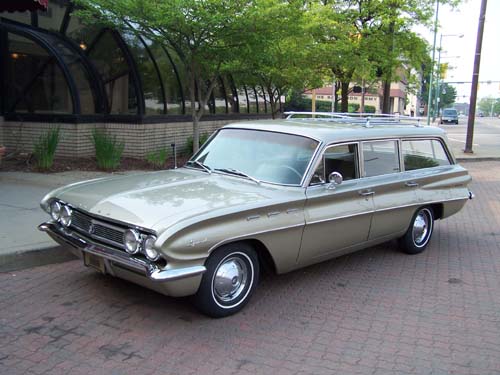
point(93, 261)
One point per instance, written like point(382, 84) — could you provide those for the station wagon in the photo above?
point(272, 195)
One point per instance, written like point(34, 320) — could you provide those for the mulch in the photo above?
point(26, 163)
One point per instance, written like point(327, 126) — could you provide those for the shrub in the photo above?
point(189, 143)
point(108, 151)
point(45, 148)
point(157, 158)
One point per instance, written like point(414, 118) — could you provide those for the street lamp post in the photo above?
point(429, 99)
point(438, 75)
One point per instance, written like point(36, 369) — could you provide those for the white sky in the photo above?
point(464, 20)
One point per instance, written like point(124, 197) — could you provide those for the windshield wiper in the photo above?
point(201, 165)
point(237, 173)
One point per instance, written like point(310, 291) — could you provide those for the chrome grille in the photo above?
point(97, 229)
point(81, 221)
point(106, 233)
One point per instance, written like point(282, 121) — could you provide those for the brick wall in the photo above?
point(139, 139)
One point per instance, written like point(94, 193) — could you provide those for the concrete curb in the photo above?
point(478, 159)
point(34, 258)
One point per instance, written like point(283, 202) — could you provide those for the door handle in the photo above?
point(366, 193)
point(411, 184)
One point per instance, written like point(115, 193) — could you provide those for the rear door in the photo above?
point(394, 195)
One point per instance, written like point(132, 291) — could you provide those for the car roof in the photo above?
point(329, 132)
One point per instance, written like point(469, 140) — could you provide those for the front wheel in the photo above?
point(231, 277)
point(419, 232)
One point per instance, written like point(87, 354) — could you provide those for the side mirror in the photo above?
point(334, 178)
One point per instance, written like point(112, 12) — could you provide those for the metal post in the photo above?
point(429, 99)
point(475, 79)
point(438, 80)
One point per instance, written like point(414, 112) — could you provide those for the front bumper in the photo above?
point(115, 257)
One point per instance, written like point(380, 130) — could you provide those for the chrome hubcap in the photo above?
point(230, 279)
point(420, 228)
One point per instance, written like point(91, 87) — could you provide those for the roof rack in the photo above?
point(367, 120)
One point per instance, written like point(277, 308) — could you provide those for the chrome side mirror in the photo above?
point(334, 179)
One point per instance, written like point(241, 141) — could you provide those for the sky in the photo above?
point(459, 52)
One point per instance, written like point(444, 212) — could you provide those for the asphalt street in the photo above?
point(486, 140)
point(376, 311)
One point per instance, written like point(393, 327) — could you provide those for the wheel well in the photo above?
point(437, 210)
point(266, 260)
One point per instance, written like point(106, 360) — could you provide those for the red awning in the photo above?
point(23, 5)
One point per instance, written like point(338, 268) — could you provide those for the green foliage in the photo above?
point(45, 149)
point(158, 158)
point(447, 95)
point(189, 143)
point(485, 106)
point(108, 151)
point(413, 162)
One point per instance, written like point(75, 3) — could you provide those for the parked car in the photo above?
point(449, 116)
point(275, 195)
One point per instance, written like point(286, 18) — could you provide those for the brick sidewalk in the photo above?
point(374, 312)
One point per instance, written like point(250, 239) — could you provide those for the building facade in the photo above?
point(57, 71)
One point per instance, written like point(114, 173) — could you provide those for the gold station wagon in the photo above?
point(275, 195)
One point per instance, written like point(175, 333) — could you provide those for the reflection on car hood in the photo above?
point(159, 199)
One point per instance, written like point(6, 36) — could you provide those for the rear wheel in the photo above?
point(419, 232)
point(231, 277)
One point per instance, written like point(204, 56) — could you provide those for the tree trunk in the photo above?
point(194, 115)
point(336, 95)
point(386, 102)
point(344, 105)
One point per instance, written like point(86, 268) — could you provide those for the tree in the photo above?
point(489, 106)
point(278, 56)
point(447, 96)
point(379, 35)
point(207, 35)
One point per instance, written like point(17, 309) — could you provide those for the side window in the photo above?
point(380, 157)
point(342, 159)
point(426, 153)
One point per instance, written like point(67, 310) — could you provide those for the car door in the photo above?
point(337, 216)
point(394, 194)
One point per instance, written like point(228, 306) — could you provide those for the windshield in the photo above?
point(259, 155)
point(449, 112)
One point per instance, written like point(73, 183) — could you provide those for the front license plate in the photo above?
point(91, 260)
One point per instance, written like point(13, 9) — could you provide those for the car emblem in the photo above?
point(91, 228)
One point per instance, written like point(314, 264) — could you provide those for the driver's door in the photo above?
point(338, 217)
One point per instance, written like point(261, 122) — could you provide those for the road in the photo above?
point(486, 140)
point(377, 311)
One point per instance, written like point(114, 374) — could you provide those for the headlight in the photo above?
point(65, 216)
point(55, 210)
point(149, 250)
point(131, 240)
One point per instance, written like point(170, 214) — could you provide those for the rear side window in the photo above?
point(426, 153)
point(380, 157)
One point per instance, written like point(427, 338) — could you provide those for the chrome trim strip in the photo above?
point(419, 204)
point(148, 269)
point(250, 235)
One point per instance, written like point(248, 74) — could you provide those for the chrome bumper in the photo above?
point(152, 272)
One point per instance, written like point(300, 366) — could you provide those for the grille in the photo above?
point(97, 229)
point(106, 233)
point(81, 221)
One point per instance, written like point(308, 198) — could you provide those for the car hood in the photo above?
point(157, 200)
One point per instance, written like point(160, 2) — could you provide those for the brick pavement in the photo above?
point(374, 312)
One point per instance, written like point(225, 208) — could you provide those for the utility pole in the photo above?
point(429, 99)
point(475, 79)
